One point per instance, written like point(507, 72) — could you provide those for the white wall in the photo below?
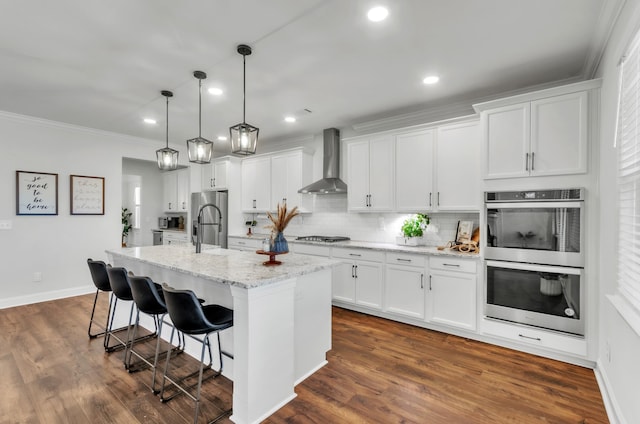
point(620, 371)
point(58, 246)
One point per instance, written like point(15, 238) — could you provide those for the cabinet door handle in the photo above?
point(254, 203)
point(429, 199)
point(211, 182)
point(421, 281)
point(538, 339)
point(526, 162)
point(403, 260)
point(429, 282)
point(438, 199)
point(214, 182)
point(454, 265)
point(533, 156)
point(370, 202)
point(366, 200)
point(353, 271)
point(355, 254)
point(356, 271)
point(169, 205)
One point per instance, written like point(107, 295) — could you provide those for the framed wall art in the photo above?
point(36, 193)
point(463, 233)
point(87, 195)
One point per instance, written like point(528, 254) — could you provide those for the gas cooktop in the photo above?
point(326, 239)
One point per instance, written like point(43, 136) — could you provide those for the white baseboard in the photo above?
point(45, 296)
point(610, 404)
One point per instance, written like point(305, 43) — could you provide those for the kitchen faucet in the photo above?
point(202, 224)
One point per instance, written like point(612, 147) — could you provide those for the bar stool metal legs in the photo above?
point(198, 323)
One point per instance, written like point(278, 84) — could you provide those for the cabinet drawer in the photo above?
point(453, 264)
point(357, 254)
point(406, 259)
point(309, 249)
point(244, 243)
point(534, 337)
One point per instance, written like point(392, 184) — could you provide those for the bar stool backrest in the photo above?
point(99, 274)
point(186, 312)
point(146, 296)
point(119, 281)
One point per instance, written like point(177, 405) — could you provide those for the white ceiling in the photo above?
point(102, 63)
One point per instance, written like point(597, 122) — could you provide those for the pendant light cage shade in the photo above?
point(200, 149)
point(167, 157)
point(244, 137)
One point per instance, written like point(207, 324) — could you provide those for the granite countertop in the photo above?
point(243, 269)
point(386, 247)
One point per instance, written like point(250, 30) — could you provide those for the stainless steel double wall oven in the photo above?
point(534, 253)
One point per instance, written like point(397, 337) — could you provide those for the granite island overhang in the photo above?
point(282, 314)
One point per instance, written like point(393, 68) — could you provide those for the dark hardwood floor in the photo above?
point(379, 371)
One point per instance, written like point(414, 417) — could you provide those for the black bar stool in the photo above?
point(121, 287)
point(149, 299)
point(100, 279)
point(194, 319)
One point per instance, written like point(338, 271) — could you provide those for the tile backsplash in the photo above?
point(330, 217)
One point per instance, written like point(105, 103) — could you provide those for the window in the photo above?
point(628, 141)
point(136, 208)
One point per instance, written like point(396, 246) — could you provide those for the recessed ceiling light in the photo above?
point(432, 79)
point(222, 138)
point(289, 119)
point(215, 91)
point(377, 14)
point(149, 121)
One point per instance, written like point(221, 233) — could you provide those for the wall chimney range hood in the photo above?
point(330, 182)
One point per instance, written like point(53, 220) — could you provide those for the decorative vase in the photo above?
point(279, 244)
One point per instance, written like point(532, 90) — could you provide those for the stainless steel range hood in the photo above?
point(330, 182)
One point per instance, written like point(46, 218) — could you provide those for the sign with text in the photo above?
point(87, 195)
point(36, 193)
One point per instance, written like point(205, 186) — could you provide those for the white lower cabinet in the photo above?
point(404, 288)
point(359, 279)
point(170, 237)
point(310, 249)
point(452, 292)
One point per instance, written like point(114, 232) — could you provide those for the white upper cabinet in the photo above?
point(176, 191)
point(290, 171)
point(559, 135)
point(438, 169)
point(414, 171)
point(548, 134)
point(215, 176)
point(370, 174)
point(256, 184)
point(457, 166)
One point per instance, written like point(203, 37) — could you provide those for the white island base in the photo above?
point(282, 315)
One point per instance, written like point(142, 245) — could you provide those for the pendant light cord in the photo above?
point(199, 108)
point(167, 121)
point(244, 87)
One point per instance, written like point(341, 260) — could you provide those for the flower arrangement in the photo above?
point(278, 224)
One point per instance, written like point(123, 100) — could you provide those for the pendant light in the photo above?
point(200, 149)
point(244, 137)
point(167, 157)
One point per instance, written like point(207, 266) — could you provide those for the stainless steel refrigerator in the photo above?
point(215, 228)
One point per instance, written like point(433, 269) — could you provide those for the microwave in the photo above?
point(163, 222)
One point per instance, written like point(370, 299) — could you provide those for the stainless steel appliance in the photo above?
point(330, 182)
point(163, 222)
point(544, 227)
point(211, 234)
point(534, 251)
point(157, 237)
point(539, 295)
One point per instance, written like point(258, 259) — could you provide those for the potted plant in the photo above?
point(413, 229)
point(126, 225)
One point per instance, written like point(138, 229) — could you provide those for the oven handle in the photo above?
point(535, 204)
point(534, 267)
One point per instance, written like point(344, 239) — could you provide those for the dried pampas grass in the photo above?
point(280, 222)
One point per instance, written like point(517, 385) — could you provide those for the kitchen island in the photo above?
point(282, 314)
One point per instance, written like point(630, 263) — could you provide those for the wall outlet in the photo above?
point(6, 224)
point(37, 277)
